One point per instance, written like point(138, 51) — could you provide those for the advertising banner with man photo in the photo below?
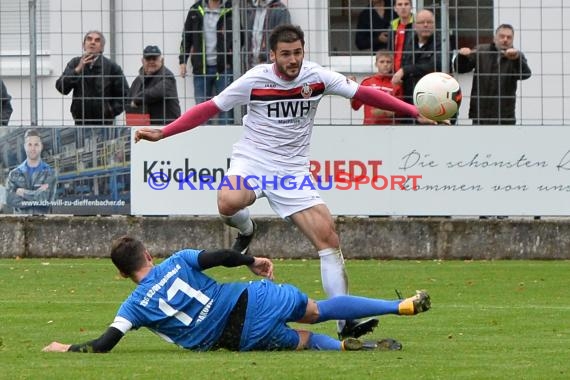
point(79, 171)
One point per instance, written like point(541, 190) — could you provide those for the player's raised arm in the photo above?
point(192, 118)
point(230, 258)
point(380, 99)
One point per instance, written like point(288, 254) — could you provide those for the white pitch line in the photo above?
point(500, 307)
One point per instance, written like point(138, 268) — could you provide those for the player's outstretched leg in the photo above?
point(353, 307)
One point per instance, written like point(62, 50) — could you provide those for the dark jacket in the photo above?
point(5, 105)
point(493, 92)
point(369, 27)
point(277, 14)
point(408, 33)
point(19, 178)
point(418, 61)
point(193, 45)
point(156, 95)
point(99, 91)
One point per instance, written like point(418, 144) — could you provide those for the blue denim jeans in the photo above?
point(211, 84)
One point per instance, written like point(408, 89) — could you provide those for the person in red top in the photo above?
point(400, 25)
point(382, 81)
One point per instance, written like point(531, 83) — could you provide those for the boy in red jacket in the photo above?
point(382, 81)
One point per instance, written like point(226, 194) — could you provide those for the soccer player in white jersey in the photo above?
point(282, 99)
point(187, 307)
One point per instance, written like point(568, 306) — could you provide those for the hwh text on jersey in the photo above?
point(289, 108)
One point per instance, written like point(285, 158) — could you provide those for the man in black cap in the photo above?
point(153, 92)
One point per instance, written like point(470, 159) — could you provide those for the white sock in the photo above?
point(240, 220)
point(333, 275)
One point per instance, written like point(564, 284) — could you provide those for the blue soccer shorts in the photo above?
point(270, 307)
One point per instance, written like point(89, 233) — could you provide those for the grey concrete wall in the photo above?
point(385, 238)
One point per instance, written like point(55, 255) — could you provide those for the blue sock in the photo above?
point(323, 343)
point(352, 307)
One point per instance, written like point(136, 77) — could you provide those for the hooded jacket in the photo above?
point(193, 45)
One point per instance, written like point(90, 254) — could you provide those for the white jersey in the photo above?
point(280, 113)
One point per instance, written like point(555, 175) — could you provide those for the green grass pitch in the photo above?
point(489, 320)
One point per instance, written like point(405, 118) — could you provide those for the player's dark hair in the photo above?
point(127, 253)
point(286, 33)
point(31, 132)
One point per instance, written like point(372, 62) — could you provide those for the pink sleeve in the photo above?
point(192, 118)
point(380, 99)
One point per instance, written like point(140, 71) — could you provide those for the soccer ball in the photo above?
point(437, 96)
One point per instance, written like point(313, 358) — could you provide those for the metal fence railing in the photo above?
point(39, 37)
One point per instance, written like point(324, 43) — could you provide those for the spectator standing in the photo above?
point(33, 181)
point(402, 26)
point(98, 84)
point(5, 105)
point(381, 81)
point(261, 17)
point(207, 42)
point(373, 27)
point(421, 54)
point(154, 91)
point(498, 68)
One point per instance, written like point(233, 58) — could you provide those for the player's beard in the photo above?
point(286, 71)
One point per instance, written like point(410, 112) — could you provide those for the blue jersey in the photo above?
point(180, 303)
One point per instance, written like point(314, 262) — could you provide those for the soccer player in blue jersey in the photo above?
point(186, 307)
